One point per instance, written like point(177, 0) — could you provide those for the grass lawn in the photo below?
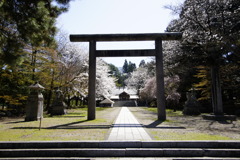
point(191, 135)
point(181, 127)
point(74, 126)
point(70, 127)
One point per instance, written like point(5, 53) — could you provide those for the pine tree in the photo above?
point(27, 30)
point(125, 66)
point(24, 22)
point(131, 67)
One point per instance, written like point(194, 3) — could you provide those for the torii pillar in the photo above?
point(157, 52)
point(92, 81)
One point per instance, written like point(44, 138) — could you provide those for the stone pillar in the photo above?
point(34, 108)
point(92, 82)
point(160, 80)
point(216, 91)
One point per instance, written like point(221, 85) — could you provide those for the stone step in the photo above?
point(97, 149)
point(121, 103)
point(121, 144)
point(124, 152)
point(117, 158)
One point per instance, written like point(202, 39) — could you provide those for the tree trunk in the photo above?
point(34, 53)
point(69, 101)
point(216, 91)
point(48, 107)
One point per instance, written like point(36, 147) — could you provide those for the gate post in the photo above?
point(160, 80)
point(92, 81)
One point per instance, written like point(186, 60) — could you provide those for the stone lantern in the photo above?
point(58, 107)
point(34, 108)
point(191, 106)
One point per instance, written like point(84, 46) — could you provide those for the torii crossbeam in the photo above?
point(157, 52)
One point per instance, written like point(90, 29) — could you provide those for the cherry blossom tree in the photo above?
point(105, 83)
point(210, 37)
point(137, 78)
point(148, 93)
point(73, 67)
point(171, 85)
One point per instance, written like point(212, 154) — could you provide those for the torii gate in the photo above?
point(157, 52)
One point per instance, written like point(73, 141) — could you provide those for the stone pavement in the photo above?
point(126, 127)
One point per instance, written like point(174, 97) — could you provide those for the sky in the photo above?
point(118, 16)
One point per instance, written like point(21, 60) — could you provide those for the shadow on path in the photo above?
point(15, 122)
point(73, 125)
point(157, 122)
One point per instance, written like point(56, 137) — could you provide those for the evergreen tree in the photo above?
point(27, 46)
point(24, 22)
point(131, 67)
point(114, 71)
point(142, 63)
point(125, 66)
point(210, 39)
point(128, 67)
